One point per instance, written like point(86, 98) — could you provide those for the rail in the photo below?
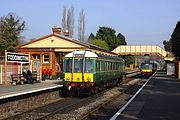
point(132, 73)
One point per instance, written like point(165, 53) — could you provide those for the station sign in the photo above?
point(17, 57)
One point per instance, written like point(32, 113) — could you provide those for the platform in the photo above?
point(11, 91)
point(158, 100)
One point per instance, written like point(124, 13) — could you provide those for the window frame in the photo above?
point(47, 62)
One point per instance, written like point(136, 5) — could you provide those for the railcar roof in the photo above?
point(81, 54)
point(110, 57)
point(92, 55)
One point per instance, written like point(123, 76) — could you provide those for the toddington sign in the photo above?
point(16, 57)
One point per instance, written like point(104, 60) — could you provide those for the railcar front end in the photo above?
point(147, 69)
point(79, 71)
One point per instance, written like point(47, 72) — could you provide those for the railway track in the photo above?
point(71, 107)
point(106, 110)
point(49, 110)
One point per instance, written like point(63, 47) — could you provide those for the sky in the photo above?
point(142, 22)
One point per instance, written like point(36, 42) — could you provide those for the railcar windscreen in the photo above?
point(147, 66)
point(78, 63)
point(68, 63)
point(88, 65)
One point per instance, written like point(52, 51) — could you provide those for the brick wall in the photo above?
point(16, 105)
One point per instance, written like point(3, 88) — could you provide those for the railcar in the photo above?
point(147, 69)
point(89, 72)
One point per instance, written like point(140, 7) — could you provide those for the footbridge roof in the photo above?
point(151, 50)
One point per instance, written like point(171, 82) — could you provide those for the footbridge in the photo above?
point(141, 50)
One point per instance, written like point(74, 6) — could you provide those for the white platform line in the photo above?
point(27, 92)
point(121, 110)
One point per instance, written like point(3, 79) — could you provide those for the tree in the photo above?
point(129, 60)
point(121, 39)
point(176, 40)
point(108, 35)
point(22, 40)
point(100, 43)
point(68, 20)
point(81, 27)
point(91, 37)
point(64, 19)
point(11, 27)
point(168, 45)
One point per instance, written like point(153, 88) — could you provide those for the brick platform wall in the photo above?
point(16, 105)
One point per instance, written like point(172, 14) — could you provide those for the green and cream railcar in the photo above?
point(85, 70)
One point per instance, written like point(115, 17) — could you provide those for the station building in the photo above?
point(46, 53)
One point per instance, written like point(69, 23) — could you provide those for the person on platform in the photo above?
point(29, 77)
point(24, 75)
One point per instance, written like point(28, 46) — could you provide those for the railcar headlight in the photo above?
point(78, 79)
point(69, 88)
point(68, 79)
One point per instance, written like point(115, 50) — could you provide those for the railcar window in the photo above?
point(121, 66)
point(113, 66)
point(89, 66)
point(68, 64)
point(110, 66)
point(98, 66)
point(106, 67)
point(78, 65)
point(102, 66)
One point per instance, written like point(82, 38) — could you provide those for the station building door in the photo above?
point(59, 61)
point(36, 65)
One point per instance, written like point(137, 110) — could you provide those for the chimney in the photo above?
point(66, 33)
point(56, 29)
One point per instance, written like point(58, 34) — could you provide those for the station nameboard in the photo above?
point(17, 57)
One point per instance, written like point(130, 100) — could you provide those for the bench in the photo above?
point(17, 78)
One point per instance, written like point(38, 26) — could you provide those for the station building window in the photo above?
point(36, 56)
point(46, 58)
